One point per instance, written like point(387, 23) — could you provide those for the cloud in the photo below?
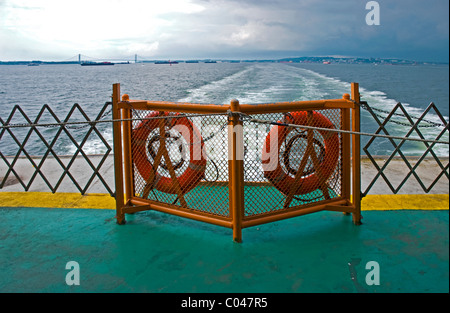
point(141, 48)
point(89, 26)
point(297, 26)
point(215, 28)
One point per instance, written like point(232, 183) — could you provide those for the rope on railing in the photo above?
point(242, 116)
point(259, 121)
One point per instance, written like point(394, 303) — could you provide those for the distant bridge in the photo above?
point(133, 58)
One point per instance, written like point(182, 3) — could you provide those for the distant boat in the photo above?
point(210, 61)
point(90, 63)
point(326, 62)
point(166, 62)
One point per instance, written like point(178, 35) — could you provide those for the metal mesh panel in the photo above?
point(196, 177)
point(273, 155)
point(411, 169)
point(29, 154)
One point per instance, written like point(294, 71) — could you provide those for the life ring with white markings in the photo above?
point(310, 180)
point(193, 173)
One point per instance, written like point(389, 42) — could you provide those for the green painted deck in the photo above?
point(155, 252)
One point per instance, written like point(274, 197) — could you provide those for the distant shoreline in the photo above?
point(323, 60)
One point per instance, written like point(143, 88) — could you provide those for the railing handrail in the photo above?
point(259, 108)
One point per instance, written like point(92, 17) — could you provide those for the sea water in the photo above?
point(60, 86)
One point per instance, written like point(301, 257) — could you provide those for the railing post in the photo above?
point(118, 167)
point(236, 170)
point(346, 151)
point(126, 145)
point(356, 155)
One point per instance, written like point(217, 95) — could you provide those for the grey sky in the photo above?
point(58, 30)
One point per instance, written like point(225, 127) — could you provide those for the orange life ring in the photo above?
point(194, 172)
point(310, 180)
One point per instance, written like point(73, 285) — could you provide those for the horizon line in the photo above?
point(143, 59)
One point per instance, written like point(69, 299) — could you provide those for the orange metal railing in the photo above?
point(210, 163)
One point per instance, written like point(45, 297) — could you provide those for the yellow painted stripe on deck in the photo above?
point(57, 200)
point(404, 202)
point(105, 201)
